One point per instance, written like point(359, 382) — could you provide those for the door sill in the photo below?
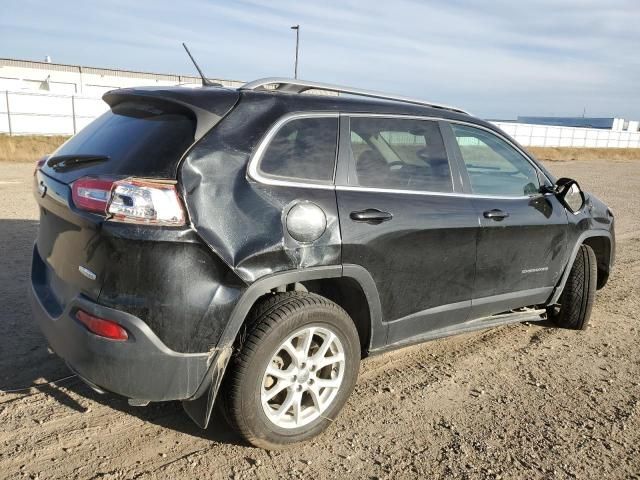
point(525, 315)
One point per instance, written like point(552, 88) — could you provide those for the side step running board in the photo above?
point(527, 315)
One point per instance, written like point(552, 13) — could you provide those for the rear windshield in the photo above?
point(139, 139)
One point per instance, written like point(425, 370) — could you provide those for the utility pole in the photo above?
point(295, 69)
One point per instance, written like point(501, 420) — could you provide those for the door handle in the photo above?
point(495, 214)
point(371, 216)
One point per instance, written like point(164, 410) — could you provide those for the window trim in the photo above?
point(461, 122)
point(254, 173)
point(467, 179)
point(253, 168)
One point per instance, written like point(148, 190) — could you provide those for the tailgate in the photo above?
point(67, 243)
point(144, 134)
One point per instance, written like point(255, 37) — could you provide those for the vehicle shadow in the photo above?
point(28, 368)
point(168, 415)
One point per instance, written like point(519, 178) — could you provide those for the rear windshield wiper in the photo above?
point(64, 162)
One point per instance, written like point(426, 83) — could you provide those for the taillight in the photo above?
point(102, 327)
point(40, 163)
point(133, 200)
point(92, 194)
point(146, 201)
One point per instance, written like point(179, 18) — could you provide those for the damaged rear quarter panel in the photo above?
point(241, 220)
point(170, 280)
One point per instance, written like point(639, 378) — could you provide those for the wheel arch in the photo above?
point(350, 286)
point(601, 246)
point(602, 241)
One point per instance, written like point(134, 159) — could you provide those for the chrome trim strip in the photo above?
point(254, 173)
point(448, 307)
point(529, 292)
point(86, 272)
point(461, 122)
point(290, 85)
point(348, 188)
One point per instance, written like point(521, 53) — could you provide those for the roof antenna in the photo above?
point(205, 81)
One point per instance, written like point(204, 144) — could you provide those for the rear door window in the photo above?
point(303, 149)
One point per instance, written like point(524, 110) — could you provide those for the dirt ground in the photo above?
point(521, 401)
point(28, 148)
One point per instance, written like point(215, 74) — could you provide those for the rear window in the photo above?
point(303, 149)
point(139, 139)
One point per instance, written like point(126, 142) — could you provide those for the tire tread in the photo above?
point(268, 313)
point(579, 291)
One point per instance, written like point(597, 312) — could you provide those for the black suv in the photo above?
point(250, 246)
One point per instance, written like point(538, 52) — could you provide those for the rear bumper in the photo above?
point(142, 367)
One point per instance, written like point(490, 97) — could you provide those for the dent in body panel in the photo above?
point(179, 289)
point(601, 215)
point(242, 220)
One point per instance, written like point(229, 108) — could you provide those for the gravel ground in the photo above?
point(521, 401)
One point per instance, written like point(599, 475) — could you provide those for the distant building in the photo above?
point(45, 98)
point(586, 122)
point(64, 79)
point(602, 123)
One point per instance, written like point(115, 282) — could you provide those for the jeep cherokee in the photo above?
point(249, 246)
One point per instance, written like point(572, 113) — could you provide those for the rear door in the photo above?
point(522, 237)
point(403, 220)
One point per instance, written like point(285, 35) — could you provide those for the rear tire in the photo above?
point(294, 372)
point(576, 300)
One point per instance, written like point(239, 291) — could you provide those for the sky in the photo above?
point(497, 59)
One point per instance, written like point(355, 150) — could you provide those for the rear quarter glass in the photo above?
point(139, 139)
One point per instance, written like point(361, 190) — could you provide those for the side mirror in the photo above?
point(570, 195)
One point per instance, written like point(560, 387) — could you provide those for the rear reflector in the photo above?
point(102, 327)
point(39, 163)
point(92, 194)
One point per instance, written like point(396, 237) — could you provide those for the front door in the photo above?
point(403, 220)
point(522, 237)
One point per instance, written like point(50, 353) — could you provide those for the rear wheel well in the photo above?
point(344, 291)
point(601, 246)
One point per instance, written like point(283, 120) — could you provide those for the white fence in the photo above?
point(552, 136)
point(23, 112)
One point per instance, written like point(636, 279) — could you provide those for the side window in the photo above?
point(398, 153)
point(494, 166)
point(303, 149)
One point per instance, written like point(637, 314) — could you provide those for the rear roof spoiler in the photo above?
point(207, 105)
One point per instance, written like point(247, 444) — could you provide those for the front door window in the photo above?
point(494, 166)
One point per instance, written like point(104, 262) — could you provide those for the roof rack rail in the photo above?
point(290, 85)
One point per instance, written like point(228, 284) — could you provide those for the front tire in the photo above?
point(295, 370)
point(579, 292)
